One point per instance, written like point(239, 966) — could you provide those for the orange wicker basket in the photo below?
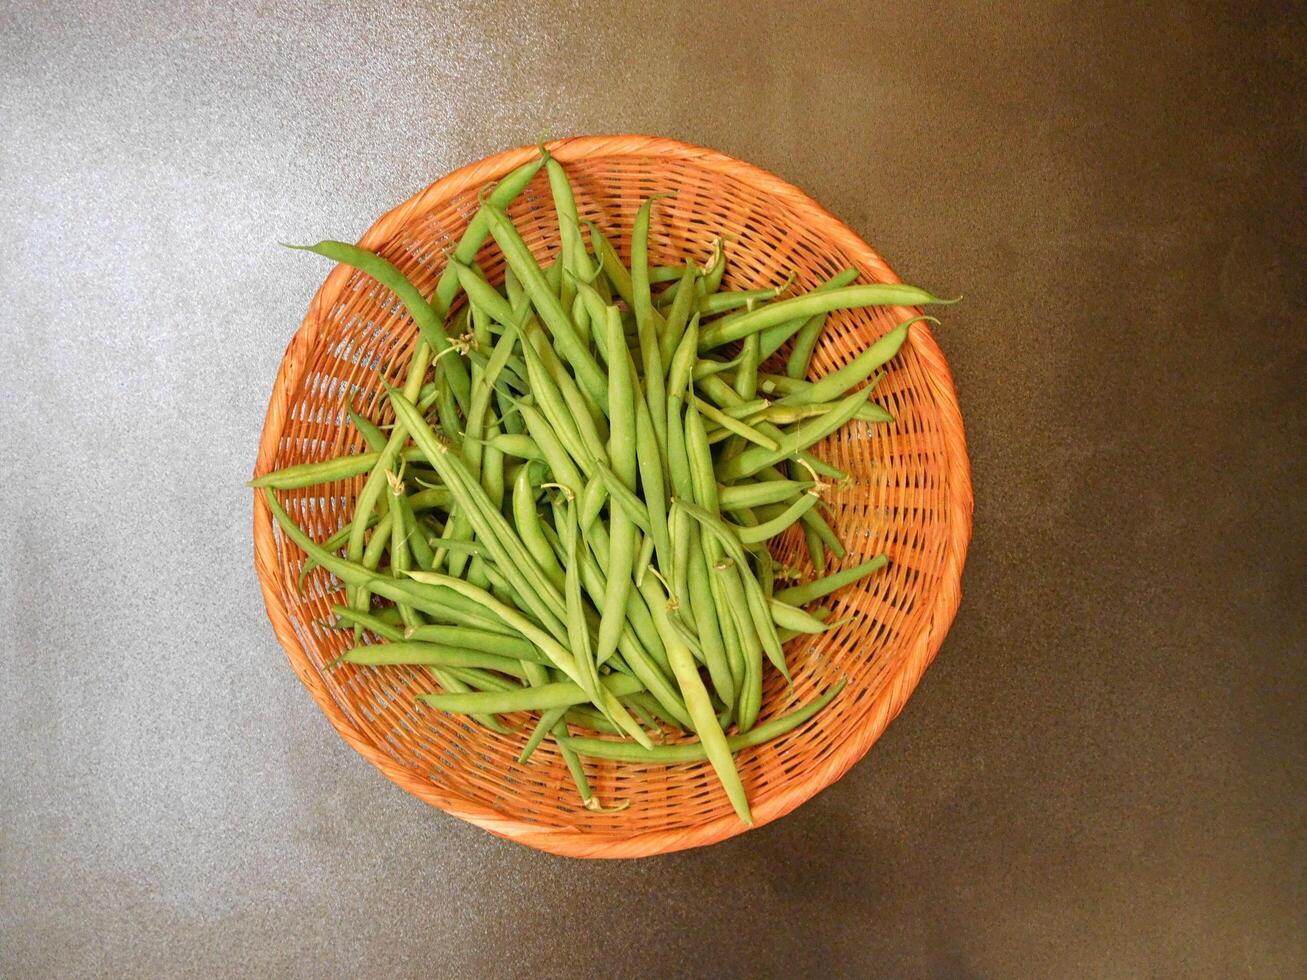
point(909, 496)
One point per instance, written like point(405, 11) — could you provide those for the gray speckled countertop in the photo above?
point(1103, 773)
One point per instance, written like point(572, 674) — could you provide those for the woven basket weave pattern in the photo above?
point(909, 496)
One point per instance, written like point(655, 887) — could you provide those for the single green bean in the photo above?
point(699, 705)
point(302, 475)
point(621, 449)
point(614, 270)
point(373, 437)
point(794, 619)
point(555, 695)
point(762, 492)
point(467, 638)
point(649, 324)
point(678, 316)
point(548, 721)
point(800, 595)
point(596, 748)
point(409, 652)
point(769, 529)
point(383, 629)
point(810, 304)
point(721, 302)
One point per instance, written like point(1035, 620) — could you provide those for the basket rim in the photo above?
point(921, 650)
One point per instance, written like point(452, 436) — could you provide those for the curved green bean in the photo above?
point(597, 748)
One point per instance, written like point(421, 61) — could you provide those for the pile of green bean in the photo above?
point(570, 513)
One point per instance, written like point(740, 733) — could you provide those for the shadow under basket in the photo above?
point(909, 496)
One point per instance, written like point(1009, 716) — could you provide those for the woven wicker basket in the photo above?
point(910, 496)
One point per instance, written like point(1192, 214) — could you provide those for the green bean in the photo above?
point(408, 652)
point(754, 458)
point(773, 337)
point(821, 614)
point(555, 695)
point(721, 302)
point(763, 492)
point(707, 367)
point(386, 631)
point(756, 602)
point(470, 548)
point(651, 464)
point(596, 748)
point(649, 323)
point(678, 316)
point(372, 494)
point(857, 370)
point(557, 654)
point(715, 268)
point(467, 638)
point(553, 273)
point(611, 262)
point(574, 256)
point(577, 627)
point(589, 718)
point(527, 521)
point(704, 611)
point(479, 679)
point(816, 549)
point(699, 706)
point(538, 676)
point(400, 555)
point(372, 436)
point(681, 367)
point(333, 543)
point(643, 558)
point(621, 449)
point(592, 501)
point(659, 274)
point(520, 445)
point(725, 396)
point(550, 401)
point(810, 304)
point(814, 520)
point(547, 722)
point(731, 576)
point(627, 502)
point(743, 410)
point(460, 681)
point(793, 618)
point(483, 296)
point(590, 421)
point(790, 414)
point(302, 475)
point(800, 595)
point(750, 698)
point(416, 539)
point(769, 529)
point(730, 635)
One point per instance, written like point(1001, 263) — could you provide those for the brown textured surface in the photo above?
point(1101, 774)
